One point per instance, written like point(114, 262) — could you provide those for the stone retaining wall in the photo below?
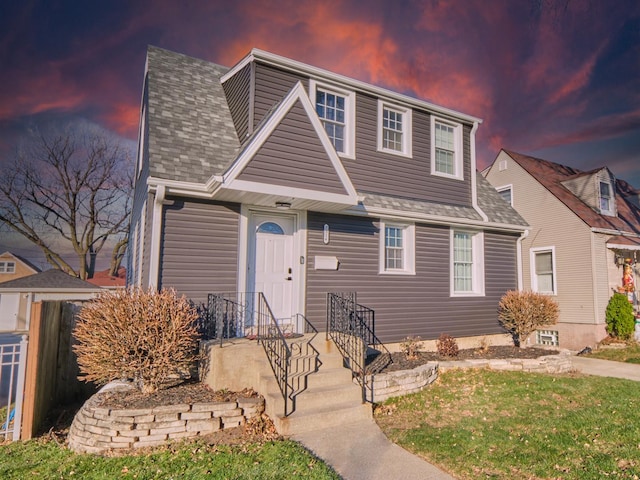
point(404, 382)
point(97, 429)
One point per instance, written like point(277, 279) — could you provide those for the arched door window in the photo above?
point(270, 227)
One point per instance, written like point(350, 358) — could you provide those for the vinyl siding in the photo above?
point(271, 86)
point(293, 156)
point(380, 172)
point(417, 304)
point(237, 90)
point(553, 224)
point(199, 250)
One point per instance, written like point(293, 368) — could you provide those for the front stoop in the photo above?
point(330, 398)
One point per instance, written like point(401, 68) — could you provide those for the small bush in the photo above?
point(523, 312)
point(147, 337)
point(619, 317)
point(447, 346)
point(410, 346)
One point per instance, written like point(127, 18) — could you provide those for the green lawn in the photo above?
point(513, 425)
point(272, 460)
point(629, 354)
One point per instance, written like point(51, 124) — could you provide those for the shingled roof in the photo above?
point(50, 280)
point(551, 175)
point(191, 133)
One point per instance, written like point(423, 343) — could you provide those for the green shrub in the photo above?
point(521, 313)
point(619, 316)
point(147, 337)
point(447, 346)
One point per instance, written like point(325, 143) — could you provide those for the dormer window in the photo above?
point(7, 267)
point(335, 108)
point(606, 200)
point(446, 149)
point(394, 129)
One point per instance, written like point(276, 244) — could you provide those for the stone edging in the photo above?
point(404, 382)
point(98, 429)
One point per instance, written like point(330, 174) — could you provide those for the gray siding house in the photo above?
point(281, 177)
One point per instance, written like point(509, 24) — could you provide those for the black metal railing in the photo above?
point(352, 327)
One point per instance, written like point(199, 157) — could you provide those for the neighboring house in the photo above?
point(110, 282)
point(281, 177)
point(584, 227)
point(13, 266)
point(16, 296)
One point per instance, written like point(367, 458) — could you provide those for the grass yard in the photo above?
point(513, 425)
point(271, 460)
point(629, 354)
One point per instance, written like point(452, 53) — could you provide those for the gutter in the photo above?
point(156, 230)
point(610, 231)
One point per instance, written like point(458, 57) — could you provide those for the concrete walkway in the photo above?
point(606, 368)
point(360, 451)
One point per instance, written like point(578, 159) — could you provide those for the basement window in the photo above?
point(547, 337)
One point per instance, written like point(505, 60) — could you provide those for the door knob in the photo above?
point(288, 278)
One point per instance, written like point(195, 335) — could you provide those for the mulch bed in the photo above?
point(401, 362)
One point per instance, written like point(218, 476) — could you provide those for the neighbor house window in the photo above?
point(7, 267)
point(506, 193)
point(543, 270)
point(606, 200)
point(467, 262)
point(394, 129)
point(446, 149)
point(397, 246)
point(336, 108)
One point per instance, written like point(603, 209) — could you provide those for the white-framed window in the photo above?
point(7, 267)
point(446, 149)
point(606, 198)
point(397, 248)
point(394, 129)
point(506, 192)
point(467, 263)
point(543, 270)
point(336, 109)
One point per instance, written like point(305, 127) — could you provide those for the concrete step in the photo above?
point(314, 398)
point(328, 416)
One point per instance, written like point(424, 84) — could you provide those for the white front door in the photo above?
point(9, 306)
point(272, 263)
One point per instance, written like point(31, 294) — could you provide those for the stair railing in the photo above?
point(352, 327)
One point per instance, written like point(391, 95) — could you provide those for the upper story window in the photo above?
point(397, 248)
point(394, 129)
point(606, 199)
point(336, 110)
point(467, 263)
point(7, 267)
point(446, 149)
point(543, 270)
point(506, 192)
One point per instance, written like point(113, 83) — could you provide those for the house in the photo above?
point(585, 227)
point(17, 296)
point(284, 178)
point(13, 266)
point(112, 282)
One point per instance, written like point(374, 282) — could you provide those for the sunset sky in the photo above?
point(555, 79)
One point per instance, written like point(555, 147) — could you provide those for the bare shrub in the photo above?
point(484, 345)
point(447, 346)
point(523, 312)
point(147, 337)
point(410, 346)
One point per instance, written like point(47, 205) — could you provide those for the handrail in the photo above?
point(248, 314)
point(352, 327)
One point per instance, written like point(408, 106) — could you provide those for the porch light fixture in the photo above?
point(283, 205)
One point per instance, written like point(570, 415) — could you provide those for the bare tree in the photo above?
point(70, 190)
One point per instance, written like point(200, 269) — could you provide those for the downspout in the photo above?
point(28, 313)
point(474, 172)
point(524, 235)
point(156, 230)
point(594, 279)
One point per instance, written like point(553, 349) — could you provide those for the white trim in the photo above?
point(504, 188)
point(532, 266)
point(270, 189)
point(408, 248)
point(611, 212)
point(458, 154)
point(349, 112)
point(156, 232)
point(477, 246)
point(620, 246)
point(324, 75)
point(141, 234)
point(474, 173)
point(407, 129)
point(141, 139)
